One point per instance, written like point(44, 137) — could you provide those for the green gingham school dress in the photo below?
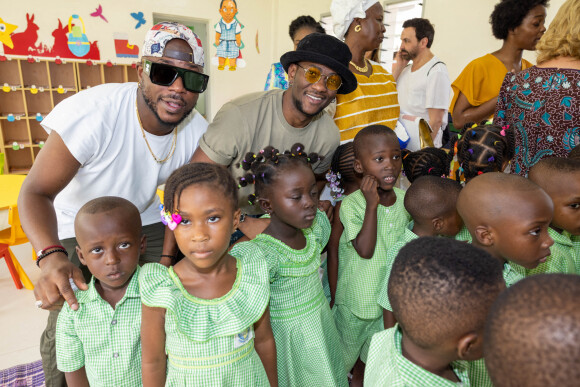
point(210, 342)
point(307, 342)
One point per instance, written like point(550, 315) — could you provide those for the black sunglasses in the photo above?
point(164, 75)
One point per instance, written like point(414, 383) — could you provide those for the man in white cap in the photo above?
point(111, 140)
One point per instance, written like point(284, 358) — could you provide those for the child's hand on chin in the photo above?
point(369, 188)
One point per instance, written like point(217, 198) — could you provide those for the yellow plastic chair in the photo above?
point(14, 236)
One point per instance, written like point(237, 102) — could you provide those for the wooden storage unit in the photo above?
point(30, 90)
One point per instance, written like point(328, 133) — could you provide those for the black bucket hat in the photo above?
point(325, 50)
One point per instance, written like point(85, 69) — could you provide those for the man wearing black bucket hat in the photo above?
point(317, 71)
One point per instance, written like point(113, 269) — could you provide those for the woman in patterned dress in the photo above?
point(542, 104)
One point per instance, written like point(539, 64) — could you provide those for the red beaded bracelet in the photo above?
point(40, 252)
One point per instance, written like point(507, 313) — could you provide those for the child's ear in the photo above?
point(438, 224)
point(80, 255)
point(358, 167)
point(469, 347)
point(484, 236)
point(265, 205)
point(237, 218)
point(143, 245)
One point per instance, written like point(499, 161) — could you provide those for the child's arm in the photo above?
point(389, 319)
point(77, 378)
point(332, 252)
point(154, 360)
point(366, 240)
point(266, 347)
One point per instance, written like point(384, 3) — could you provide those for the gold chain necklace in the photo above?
point(147, 142)
point(361, 69)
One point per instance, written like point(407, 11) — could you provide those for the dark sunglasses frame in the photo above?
point(327, 77)
point(193, 81)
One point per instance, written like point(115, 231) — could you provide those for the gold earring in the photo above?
point(358, 28)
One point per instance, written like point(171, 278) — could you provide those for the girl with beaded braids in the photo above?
point(304, 330)
point(342, 180)
point(181, 343)
point(481, 149)
point(427, 161)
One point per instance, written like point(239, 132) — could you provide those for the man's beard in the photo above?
point(153, 107)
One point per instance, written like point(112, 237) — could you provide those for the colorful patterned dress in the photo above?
point(210, 342)
point(307, 342)
point(542, 107)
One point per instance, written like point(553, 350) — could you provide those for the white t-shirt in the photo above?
point(99, 126)
point(429, 87)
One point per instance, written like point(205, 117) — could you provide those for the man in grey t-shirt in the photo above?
point(317, 71)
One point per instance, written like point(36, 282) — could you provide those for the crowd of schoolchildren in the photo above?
point(411, 275)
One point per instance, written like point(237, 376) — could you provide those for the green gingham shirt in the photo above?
point(576, 249)
point(386, 365)
point(407, 237)
point(477, 370)
point(561, 259)
point(463, 235)
point(359, 279)
point(104, 340)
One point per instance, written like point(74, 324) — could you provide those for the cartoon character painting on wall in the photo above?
point(228, 36)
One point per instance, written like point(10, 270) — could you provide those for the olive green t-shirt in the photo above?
point(252, 122)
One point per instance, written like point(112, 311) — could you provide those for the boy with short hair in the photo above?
point(374, 217)
point(532, 333)
point(508, 216)
point(99, 344)
point(432, 203)
point(440, 291)
point(560, 178)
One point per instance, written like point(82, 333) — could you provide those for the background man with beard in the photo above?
point(282, 118)
point(114, 139)
point(424, 86)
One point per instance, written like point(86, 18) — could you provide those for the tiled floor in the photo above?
point(21, 323)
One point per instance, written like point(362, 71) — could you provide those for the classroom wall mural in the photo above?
point(70, 40)
point(228, 38)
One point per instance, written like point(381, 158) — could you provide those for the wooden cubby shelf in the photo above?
point(30, 90)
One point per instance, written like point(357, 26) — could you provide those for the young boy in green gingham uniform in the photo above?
point(432, 203)
point(450, 285)
point(542, 309)
point(99, 344)
point(374, 217)
point(508, 216)
point(560, 178)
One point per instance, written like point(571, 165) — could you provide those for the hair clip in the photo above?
point(474, 125)
point(263, 173)
point(473, 133)
point(491, 159)
point(495, 142)
point(459, 137)
point(404, 157)
point(479, 173)
point(470, 150)
point(503, 129)
point(430, 169)
point(443, 176)
point(169, 219)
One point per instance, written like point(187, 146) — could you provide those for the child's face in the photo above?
point(293, 197)
point(381, 159)
point(521, 234)
point(208, 221)
point(109, 244)
point(566, 199)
